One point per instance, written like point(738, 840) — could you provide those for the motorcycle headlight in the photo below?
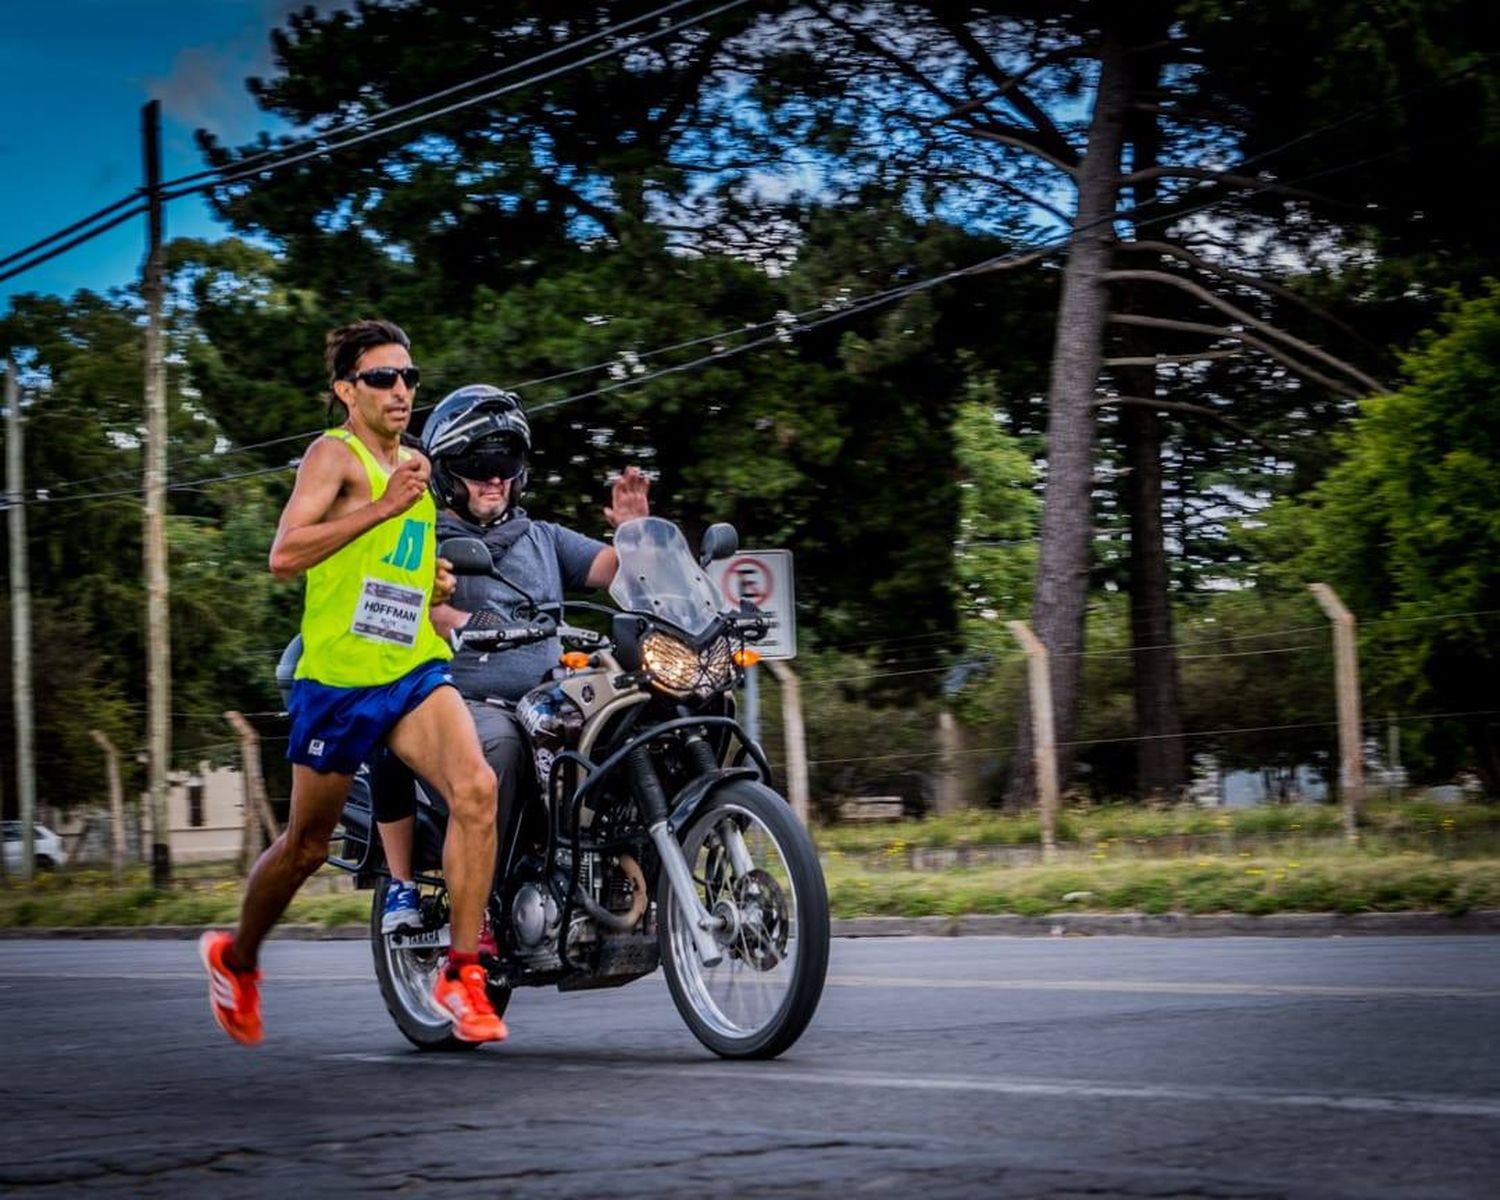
point(679, 669)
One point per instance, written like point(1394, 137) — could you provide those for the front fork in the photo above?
point(652, 798)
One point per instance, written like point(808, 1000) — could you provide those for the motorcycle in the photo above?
point(648, 832)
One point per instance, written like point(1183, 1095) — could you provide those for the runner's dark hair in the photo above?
point(343, 348)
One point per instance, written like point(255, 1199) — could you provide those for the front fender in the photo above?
point(686, 802)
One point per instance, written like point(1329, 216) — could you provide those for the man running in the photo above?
point(360, 523)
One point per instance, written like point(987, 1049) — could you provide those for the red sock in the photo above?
point(457, 960)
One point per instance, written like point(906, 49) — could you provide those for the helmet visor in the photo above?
point(489, 460)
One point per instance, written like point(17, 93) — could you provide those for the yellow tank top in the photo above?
point(364, 616)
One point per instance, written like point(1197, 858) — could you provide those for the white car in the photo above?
point(48, 847)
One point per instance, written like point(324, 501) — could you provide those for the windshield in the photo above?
point(658, 575)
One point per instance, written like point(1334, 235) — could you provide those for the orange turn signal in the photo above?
point(575, 660)
point(746, 657)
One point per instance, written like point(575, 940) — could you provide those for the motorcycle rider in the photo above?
point(360, 525)
point(479, 444)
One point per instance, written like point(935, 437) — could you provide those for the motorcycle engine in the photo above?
point(533, 915)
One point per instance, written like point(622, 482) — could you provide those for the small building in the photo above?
point(205, 815)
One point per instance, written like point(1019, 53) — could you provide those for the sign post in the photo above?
point(763, 580)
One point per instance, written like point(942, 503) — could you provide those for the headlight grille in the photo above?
point(679, 669)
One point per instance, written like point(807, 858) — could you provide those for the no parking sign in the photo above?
point(764, 579)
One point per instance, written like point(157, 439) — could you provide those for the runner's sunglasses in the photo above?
point(383, 379)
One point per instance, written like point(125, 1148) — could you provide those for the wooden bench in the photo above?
point(872, 808)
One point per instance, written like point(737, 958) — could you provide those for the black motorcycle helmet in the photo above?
point(477, 432)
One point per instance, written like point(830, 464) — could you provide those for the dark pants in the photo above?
point(393, 786)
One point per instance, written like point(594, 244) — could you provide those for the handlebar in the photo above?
point(502, 638)
point(753, 627)
point(487, 631)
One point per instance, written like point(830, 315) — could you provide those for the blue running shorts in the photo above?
point(335, 729)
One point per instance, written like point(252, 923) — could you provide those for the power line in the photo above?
point(423, 118)
point(167, 193)
point(788, 323)
point(308, 434)
point(37, 261)
point(62, 233)
point(385, 114)
point(1198, 733)
point(179, 486)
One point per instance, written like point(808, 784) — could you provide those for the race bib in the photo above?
point(388, 612)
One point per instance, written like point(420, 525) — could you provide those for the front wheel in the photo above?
point(755, 867)
point(408, 975)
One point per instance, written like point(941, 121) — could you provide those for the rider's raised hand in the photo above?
point(406, 485)
point(628, 498)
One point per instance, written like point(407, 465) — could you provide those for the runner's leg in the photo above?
point(301, 849)
point(437, 740)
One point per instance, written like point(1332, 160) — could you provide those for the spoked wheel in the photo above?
point(754, 867)
point(408, 975)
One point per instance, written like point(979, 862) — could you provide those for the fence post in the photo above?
point(1044, 745)
point(949, 797)
point(257, 810)
point(795, 735)
point(116, 803)
point(1346, 682)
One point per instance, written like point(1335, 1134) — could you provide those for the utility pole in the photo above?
point(158, 628)
point(1346, 682)
point(20, 621)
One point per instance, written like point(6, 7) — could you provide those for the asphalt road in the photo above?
point(986, 1067)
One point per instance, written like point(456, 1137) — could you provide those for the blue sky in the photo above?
point(76, 75)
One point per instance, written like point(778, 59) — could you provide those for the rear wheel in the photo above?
point(754, 866)
point(408, 975)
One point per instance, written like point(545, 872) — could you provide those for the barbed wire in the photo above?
point(1200, 733)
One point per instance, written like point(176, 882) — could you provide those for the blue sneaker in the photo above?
point(403, 908)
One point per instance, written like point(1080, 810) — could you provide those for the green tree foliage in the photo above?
point(253, 346)
point(489, 195)
point(1405, 527)
point(995, 552)
point(82, 382)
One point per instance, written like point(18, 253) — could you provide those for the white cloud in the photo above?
point(205, 87)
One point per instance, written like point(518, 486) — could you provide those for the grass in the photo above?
point(1240, 883)
point(198, 897)
point(1109, 878)
point(1466, 828)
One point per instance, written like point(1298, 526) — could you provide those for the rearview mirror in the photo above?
point(468, 555)
point(719, 541)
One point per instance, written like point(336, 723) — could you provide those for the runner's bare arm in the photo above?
point(307, 535)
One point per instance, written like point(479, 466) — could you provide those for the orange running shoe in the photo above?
point(461, 994)
point(233, 995)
